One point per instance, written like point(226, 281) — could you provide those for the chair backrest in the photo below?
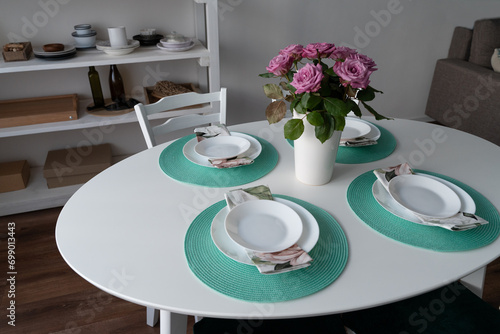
point(179, 122)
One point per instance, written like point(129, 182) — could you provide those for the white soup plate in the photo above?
point(263, 226)
point(222, 147)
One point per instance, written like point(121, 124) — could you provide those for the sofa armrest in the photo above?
point(466, 96)
point(460, 43)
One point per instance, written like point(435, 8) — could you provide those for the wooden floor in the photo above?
point(51, 298)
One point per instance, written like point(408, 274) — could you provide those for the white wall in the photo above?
point(405, 38)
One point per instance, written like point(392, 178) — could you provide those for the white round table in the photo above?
point(124, 230)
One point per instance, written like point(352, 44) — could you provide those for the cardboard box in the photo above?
point(56, 182)
point(14, 175)
point(77, 161)
point(24, 54)
point(38, 110)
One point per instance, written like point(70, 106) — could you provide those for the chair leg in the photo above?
point(475, 281)
point(197, 318)
point(152, 316)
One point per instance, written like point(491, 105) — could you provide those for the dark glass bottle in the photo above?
point(116, 85)
point(95, 87)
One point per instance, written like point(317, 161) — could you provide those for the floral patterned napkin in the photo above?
point(289, 259)
point(357, 142)
point(220, 130)
point(459, 222)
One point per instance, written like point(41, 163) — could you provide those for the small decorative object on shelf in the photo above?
point(320, 96)
point(17, 51)
point(95, 87)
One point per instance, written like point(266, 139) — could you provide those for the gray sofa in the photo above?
point(465, 90)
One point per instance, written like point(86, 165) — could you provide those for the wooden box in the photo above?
point(24, 54)
point(77, 161)
point(56, 182)
point(152, 99)
point(14, 175)
point(38, 110)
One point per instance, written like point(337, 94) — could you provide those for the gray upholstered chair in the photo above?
point(465, 91)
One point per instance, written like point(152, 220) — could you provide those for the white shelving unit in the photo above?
point(206, 51)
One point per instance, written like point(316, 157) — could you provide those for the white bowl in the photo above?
point(85, 41)
point(83, 29)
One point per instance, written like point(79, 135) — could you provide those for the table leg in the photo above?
point(475, 281)
point(172, 323)
point(152, 316)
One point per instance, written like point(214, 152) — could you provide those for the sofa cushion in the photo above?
point(460, 43)
point(485, 38)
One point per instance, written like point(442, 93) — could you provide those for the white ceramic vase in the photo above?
point(495, 60)
point(314, 161)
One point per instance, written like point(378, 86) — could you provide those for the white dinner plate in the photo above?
point(263, 226)
point(355, 128)
point(387, 202)
point(308, 239)
point(222, 147)
point(188, 150)
point(38, 50)
point(424, 196)
point(374, 131)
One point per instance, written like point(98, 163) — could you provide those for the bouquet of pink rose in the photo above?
point(323, 94)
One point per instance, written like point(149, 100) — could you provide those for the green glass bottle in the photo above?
point(95, 87)
point(116, 86)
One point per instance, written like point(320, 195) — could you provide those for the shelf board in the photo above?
point(94, 57)
point(86, 120)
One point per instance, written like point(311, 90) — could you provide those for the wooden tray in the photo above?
point(38, 110)
point(152, 99)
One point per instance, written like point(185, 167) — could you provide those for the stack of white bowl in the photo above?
point(84, 36)
point(175, 42)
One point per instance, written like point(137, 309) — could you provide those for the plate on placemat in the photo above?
point(424, 196)
point(263, 226)
point(231, 249)
point(387, 202)
point(355, 128)
point(222, 147)
point(188, 150)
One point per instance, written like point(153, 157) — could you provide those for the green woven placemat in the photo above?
point(244, 282)
point(177, 166)
point(358, 155)
point(364, 204)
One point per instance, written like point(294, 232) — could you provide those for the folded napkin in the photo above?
point(289, 259)
point(357, 142)
point(459, 222)
point(220, 130)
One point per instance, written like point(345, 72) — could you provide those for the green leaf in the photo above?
point(309, 101)
point(331, 72)
point(325, 131)
point(315, 118)
point(267, 75)
point(367, 94)
point(378, 117)
point(336, 107)
point(297, 106)
point(273, 91)
point(275, 111)
point(294, 128)
point(339, 123)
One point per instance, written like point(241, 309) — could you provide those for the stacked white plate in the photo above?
point(263, 226)
point(200, 155)
point(423, 194)
point(182, 44)
point(117, 50)
point(355, 127)
point(68, 52)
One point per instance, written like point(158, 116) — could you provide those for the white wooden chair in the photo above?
point(177, 123)
point(182, 121)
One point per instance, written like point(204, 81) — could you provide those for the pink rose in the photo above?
point(294, 51)
point(313, 50)
point(342, 52)
point(280, 65)
point(308, 79)
point(367, 61)
point(353, 72)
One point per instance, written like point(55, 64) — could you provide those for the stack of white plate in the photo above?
point(68, 52)
point(117, 50)
point(182, 44)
